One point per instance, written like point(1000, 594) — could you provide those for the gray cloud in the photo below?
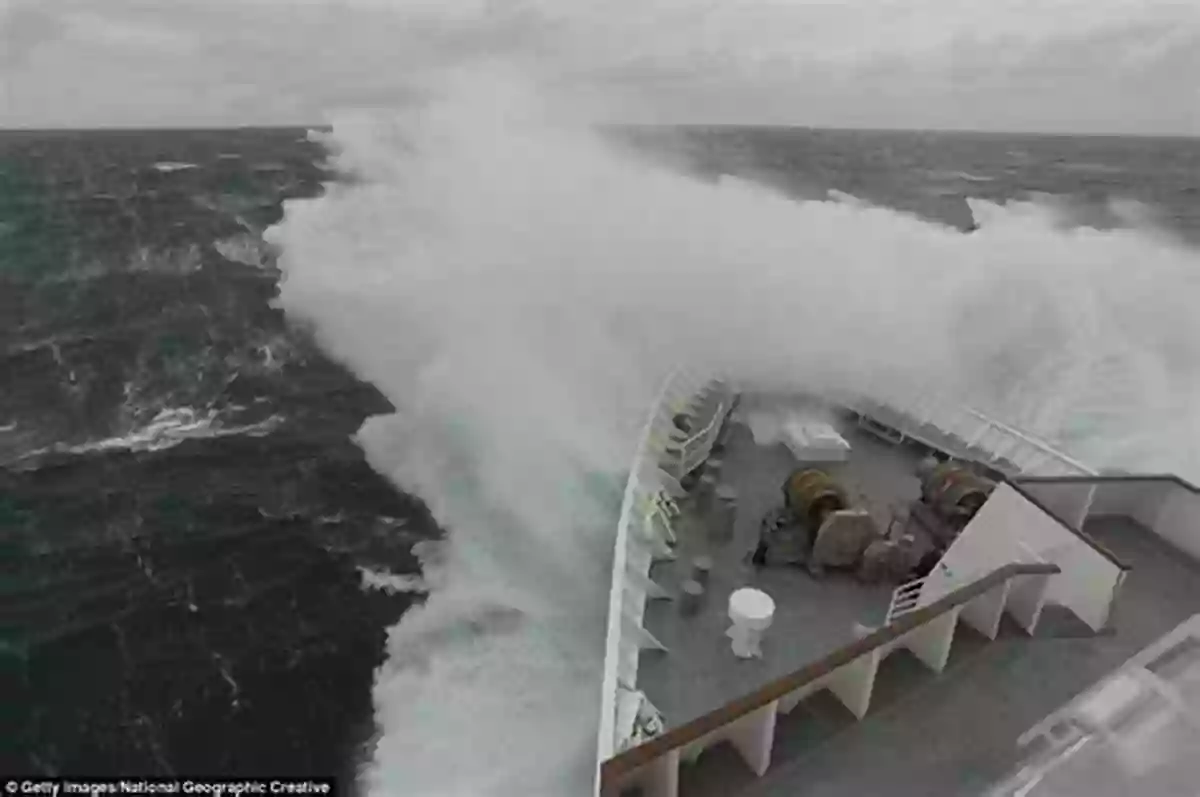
point(1050, 64)
point(22, 29)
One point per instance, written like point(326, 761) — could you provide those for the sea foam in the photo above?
point(519, 287)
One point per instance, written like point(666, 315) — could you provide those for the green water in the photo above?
point(35, 231)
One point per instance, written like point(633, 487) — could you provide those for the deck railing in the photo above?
point(644, 535)
point(919, 415)
point(906, 598)
point(695, 450)
point(849, 672)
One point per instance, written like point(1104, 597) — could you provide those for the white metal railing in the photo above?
point(913, 595)
point(645, 533)
point(694, 451)
point(690, 451)
point(921, 592)
point(917, 407)
point(905, 598)
point(613, 657)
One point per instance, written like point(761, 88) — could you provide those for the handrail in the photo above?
point(617, 588)
point(694, 450)
point(947, 417)
point(612, 770)
point(1110, 478)
point(906, 599)
point(701, 442)
point(654, 436)
point(1036, 442)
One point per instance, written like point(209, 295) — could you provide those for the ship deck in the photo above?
point(955, 733)
point(948, 734)
point(812, 616)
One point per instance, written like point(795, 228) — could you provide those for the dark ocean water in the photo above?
point(189, 608)
point(182, 514)
point(930, 174)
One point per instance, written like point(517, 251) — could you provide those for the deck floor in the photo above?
point(813, 616)
point(955, 734)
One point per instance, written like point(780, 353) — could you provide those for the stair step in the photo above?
point(1059, 622)
point(720, 770)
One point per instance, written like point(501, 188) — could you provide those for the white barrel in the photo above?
point(751, 612)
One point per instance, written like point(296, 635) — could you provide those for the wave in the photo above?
point(392, 582)
point(244, 248)
point(518, 288)
point(1110, 213)
point(168, 428)
point(166, 167)
point(1092, 168)
point(959, 176)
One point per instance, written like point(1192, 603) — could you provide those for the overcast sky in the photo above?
point(1042, 65)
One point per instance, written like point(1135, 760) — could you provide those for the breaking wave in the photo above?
point(518, 287)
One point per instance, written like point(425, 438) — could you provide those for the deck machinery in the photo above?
point(817, 527)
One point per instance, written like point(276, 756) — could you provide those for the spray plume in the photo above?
point(519, 287)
